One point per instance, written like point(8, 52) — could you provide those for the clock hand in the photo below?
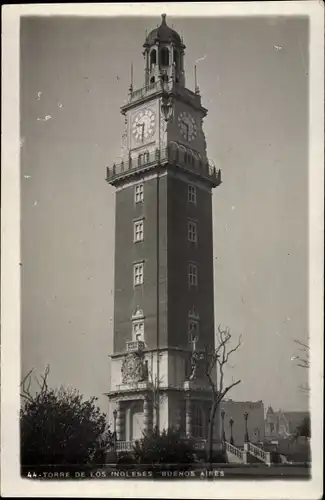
point(187, 130)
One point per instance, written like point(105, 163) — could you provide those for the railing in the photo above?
point(124, 445)
point(151, 88)
point(235, 451)
point(179, 156)
point(257, 452)
point(135, 345)
point(200, 444)
point(167, 86)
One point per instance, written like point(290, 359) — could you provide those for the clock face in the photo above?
point(187, 126)
point(143, 125)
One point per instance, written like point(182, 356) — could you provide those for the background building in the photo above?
point(236, 410)
point(279, 424)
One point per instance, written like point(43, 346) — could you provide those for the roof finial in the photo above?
point(197, 90)
point(163, 19)
point(131, 82)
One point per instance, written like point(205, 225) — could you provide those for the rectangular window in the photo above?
point(192, 274)
point(138, 193)
point(193, 330)
point(138, 230)
point(138, 331)
point(192, 231)
point(191, 194)
point(138, 274)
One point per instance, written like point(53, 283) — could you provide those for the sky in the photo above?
point(253, 80)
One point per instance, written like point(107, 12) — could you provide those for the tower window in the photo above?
point(138, 231)
point(193, 330)
point(191, 194)
point(152, 79)
point(164, 56)
point(138, 330)
point(192, 274)
point(138, 274)
point(192, 231)
point(153, 57)
point(138, 193)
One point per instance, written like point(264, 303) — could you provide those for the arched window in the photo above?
point(153, 57)
point(173, 151)
point(140, 159)
point(164, 77)
point(152, 79)
point(164, 56)
point(198, 427)
point(183, 153)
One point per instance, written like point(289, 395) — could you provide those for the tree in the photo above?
point(59, 427)
point(218, 360)
point(166, 447)
point(303, 360)
point(154, 387)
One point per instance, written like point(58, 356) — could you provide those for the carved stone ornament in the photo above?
point(195, 361)
point(134, 368)
point(167, 108)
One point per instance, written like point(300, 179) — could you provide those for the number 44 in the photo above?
point(32, 474)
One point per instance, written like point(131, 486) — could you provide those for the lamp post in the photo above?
point(231, 422)
point(246, 428)
point(115, 417)
point(222, 413)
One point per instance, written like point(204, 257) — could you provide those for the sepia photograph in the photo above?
point(165, 257)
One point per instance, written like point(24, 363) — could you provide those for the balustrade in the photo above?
point(170, 154)
point(124, 445)
point(135, 345)
point(257, 452)
point(235, 451)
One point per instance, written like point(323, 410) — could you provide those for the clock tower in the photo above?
point(164, 304)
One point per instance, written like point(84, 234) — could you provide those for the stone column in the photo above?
point(147, 70)
point(188, 418)
point(147, 414)
point(120, 421)
point(177, 418)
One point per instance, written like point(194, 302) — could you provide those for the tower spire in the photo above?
point(163, 20)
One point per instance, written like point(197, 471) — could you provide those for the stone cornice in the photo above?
point(129, 394)
point(161, 349)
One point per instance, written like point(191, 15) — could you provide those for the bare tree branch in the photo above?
point(227, 389)
point(28, 375)
point(305, 346)
point(44, 378)
point(25, 393)
point(219, 360)
point(234, 349)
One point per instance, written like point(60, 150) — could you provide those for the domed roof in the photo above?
point(163, 34)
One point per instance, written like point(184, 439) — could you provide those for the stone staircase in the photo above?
point(234, 454)
point(259, 453)
point(248, 454)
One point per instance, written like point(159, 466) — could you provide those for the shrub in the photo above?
point(58, 427)
point(166, 447)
